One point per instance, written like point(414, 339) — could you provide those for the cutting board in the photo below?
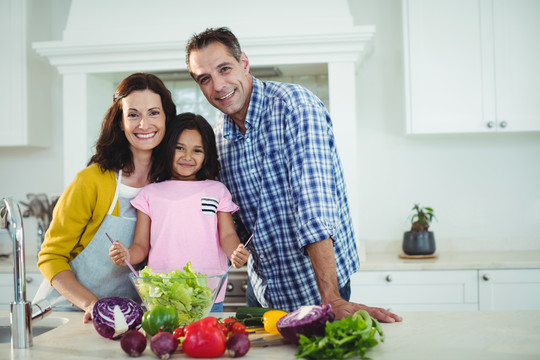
point(260, 338)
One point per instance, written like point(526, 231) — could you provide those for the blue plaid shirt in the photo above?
point(287, 178)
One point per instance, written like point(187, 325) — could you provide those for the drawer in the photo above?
point(416, 290)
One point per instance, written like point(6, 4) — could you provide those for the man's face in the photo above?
point(225, 82)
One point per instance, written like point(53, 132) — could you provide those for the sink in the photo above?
point(38, 328)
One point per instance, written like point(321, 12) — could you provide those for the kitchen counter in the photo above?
point(422, 335)
point(391, 261)
point(454, 261)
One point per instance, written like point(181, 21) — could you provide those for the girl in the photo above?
point(189, 216)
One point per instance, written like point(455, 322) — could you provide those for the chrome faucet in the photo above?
point(21, 310)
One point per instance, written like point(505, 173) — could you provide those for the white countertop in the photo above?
point(454, 261)
point(421, 335)
point(391, 261)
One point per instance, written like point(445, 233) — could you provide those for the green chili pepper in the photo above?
point(161, 317)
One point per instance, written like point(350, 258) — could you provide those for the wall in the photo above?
point(484, 188)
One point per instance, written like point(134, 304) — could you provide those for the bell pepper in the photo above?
point(161, 317)
point(270, 318)
point(204, 339)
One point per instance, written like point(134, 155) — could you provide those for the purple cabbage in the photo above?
point(308, 321)
point(113, 316)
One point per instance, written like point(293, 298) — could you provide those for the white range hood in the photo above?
point(105, 40)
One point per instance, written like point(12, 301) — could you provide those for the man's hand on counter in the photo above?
point(343, 308)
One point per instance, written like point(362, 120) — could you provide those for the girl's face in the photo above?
point(189, 156)
point(143, 120)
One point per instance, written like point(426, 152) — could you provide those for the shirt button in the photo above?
point(248, 139)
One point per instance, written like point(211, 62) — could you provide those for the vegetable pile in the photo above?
point(113, 316)
point(343, 338)
point(186, 290)
point(210, 337)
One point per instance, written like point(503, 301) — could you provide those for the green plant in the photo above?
point(421, 218)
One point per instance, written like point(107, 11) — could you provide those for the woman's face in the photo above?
point(143, 120)
point(189, 156)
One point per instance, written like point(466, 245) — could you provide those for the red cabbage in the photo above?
point(308, 320)
point(113, 316)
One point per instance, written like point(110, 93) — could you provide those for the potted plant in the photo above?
point(420, 241)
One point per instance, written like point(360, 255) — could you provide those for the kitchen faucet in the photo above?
point(22, 313)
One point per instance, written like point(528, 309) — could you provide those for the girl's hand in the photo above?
point(239, 256)
point(118, 253)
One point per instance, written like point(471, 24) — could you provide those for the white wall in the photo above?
point(485, 189)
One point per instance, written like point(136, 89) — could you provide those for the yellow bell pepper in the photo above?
point(270, 318)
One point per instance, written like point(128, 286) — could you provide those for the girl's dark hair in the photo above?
point(210, 166)
point(112, 147)
point(221, 35)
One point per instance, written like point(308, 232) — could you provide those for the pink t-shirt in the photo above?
point(184, 224)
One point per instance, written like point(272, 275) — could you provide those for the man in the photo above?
point(280, 163)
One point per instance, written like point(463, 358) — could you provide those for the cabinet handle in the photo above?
point(503, 124)
point(388, 278)
point(490, 124)
point(485, 277)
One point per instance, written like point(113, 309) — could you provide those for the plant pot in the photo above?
point(418, 243)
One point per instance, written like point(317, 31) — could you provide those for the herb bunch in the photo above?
point(344, 338)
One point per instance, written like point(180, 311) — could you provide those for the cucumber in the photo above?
point(253, 322)
point(244, 312)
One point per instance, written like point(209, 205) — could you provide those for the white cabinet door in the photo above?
point(21, 124)
point(509, 289)
point(443, 66)
point(416, 290)
point(472, 66)
point(517, 57)
point(7, 292)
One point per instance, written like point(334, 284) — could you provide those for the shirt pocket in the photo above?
point(209, 205)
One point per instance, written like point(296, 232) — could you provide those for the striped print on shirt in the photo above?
point(209, 205)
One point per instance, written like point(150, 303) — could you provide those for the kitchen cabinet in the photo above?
point(448, 290)
point(514, 289)
point(472, 66)
point(444, 290)
point(7, 292)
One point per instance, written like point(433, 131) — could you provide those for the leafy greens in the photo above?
point(344, 338)
point(186, 290)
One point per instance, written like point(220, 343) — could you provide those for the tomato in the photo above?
point(178, 332)
point(238, 328)
point(224, 329)
point(228, 322)
point(270, 318)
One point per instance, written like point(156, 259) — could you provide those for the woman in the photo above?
point(74, 255)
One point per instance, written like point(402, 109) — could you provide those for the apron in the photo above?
point(93, 267)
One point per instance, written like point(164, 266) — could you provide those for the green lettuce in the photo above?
point(186, 290)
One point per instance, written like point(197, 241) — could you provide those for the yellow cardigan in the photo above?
point(76, 219)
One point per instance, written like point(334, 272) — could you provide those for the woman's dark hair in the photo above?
point(184, 121)
point(112, 147)
point(221, 35)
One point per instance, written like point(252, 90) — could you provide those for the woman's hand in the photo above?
point(239, 256)
point(119, 253)
point(88, 312)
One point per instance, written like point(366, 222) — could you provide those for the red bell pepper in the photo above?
point(204, 339)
